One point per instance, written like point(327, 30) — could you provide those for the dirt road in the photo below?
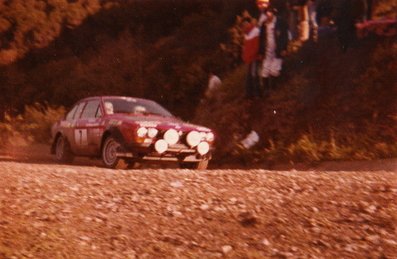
point(63, 211)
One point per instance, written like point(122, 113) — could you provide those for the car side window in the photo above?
point(71, 113)
point(78, 111)
point(90, 110)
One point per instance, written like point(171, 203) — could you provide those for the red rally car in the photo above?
point(126, 130)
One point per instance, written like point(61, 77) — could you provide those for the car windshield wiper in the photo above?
point(145, 113)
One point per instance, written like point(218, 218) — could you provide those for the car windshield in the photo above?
point(135, 106)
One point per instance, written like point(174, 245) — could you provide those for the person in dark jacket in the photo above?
point(369, 5)
point(345, 23)
point(272, 47)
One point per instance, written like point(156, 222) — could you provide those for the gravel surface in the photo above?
point(61, 211)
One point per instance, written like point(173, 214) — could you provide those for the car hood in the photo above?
point(160, 122)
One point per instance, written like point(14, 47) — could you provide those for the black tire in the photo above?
point(108, 153)
point(63, 153)
point(202, 165)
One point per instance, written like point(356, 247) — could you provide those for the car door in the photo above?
point(68, 125)
point(89, 129)
point(74, 132)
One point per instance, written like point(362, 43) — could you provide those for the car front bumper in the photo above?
point(178, 153)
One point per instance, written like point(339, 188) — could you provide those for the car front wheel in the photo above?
point(109, 154)
point(63, 152)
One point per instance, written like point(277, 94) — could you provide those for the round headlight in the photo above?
point(161, 146)
point(171, 136)
point(193, 138)
point(210, 137)
point(141, 132)
point(203, 148)
point(152, 132)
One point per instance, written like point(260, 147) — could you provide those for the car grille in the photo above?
point(181, 148)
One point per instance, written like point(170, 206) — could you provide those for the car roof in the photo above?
point(113, 97)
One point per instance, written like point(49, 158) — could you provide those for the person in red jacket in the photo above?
point(250, 56)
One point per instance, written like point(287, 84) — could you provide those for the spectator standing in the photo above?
point(262, 7)
point(303, 21)
point(299, 20)
point(250, 56)
point(312, 9)
point(345, 23)
point(369, 4)
point(273, 47)
point(292, 20)
point(366, 10)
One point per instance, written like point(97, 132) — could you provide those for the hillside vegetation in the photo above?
point(328, 106)
point(154, 49)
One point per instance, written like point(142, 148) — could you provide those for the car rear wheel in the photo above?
point(109, 154)
point(202, 165)
point(63, 152)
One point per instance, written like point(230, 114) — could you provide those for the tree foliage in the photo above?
point(156, 49)
point(31, 24)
